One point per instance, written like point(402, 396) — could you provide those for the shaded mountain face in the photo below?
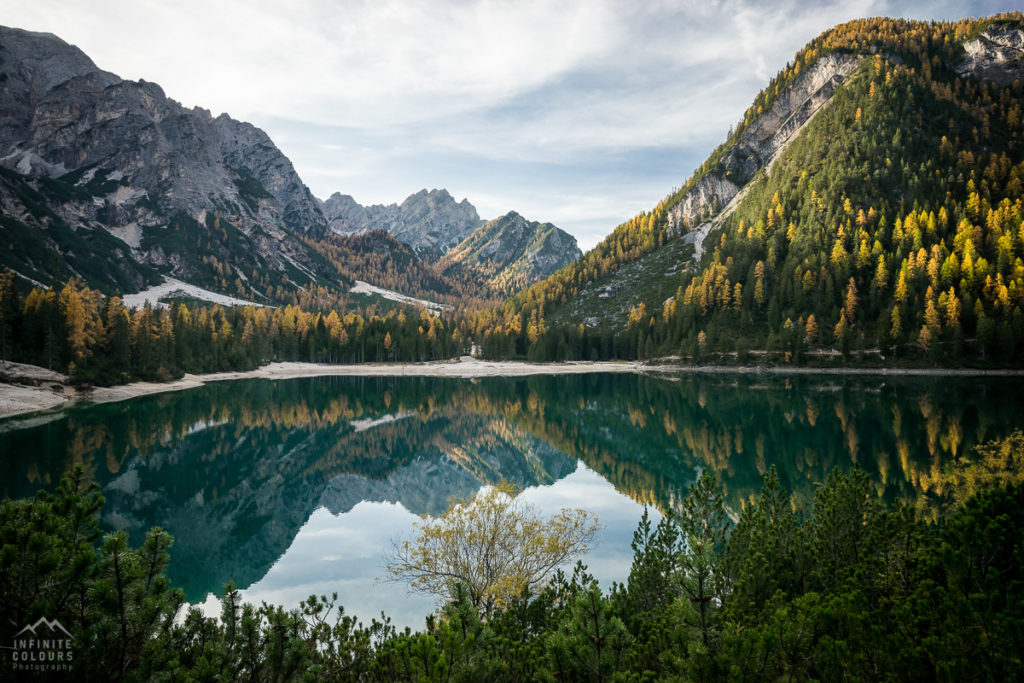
point(869, 201)
point(380, 259)
point(112, 181)
point(509, 253)
point(429, 222)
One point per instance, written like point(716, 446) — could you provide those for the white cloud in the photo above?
point(531, 100)
point(347, 63)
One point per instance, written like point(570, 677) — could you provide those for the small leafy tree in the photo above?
point(495, 545)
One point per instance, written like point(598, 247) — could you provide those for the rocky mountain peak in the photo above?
point(435, 222)
point(42, 61)
point(431, 222)
point(121, 156)
point(31, 65)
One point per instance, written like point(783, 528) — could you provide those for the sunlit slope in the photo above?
point(869, 199)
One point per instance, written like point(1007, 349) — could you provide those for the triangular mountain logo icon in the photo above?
point(54, 626)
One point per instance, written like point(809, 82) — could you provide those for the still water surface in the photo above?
point(293, 487)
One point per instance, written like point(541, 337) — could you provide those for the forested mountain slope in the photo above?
point(873, 200)
point(507, 254)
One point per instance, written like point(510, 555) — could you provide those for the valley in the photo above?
point(822, 225)
point(247, 433)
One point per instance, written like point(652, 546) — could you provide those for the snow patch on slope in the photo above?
point(176, 288)
point(366, 288)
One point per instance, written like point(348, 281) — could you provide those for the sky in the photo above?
point(578, 112)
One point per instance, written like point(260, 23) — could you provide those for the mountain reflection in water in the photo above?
point(332, 469)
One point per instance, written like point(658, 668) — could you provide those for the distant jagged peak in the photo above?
point(429, 221)
point(439, 194)
point(338, 197)
point(438, 200)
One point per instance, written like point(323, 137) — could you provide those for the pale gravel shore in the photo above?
point(21, 389)
point(465, 369)
point(16, 399)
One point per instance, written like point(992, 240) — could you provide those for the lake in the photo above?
point(293, 487)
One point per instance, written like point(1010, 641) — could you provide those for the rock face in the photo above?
point(429, 222)
point(247, 148)
point(705, 199)
point(120, 155)
point(510, 253)
point(763, 140)
point(346, 216)
point(997, 54)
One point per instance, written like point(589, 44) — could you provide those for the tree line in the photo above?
point(96, 338)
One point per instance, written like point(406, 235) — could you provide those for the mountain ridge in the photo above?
point(875, 125)
point(478, 258)
point(87, 151)
point(431, 222)
point(93, 166)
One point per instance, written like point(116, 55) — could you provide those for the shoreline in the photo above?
point(21, 399)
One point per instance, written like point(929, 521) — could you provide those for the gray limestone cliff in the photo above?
point(763, 140)
point(996, 54)
point(429, 222)
point(101, 152)
point(346, 216)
